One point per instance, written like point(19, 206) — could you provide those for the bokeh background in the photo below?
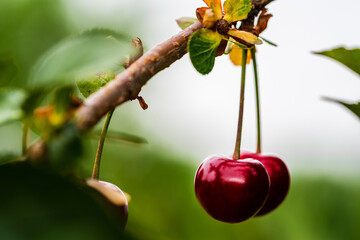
point(191, 116)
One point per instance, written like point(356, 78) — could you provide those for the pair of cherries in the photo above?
point(233, 190)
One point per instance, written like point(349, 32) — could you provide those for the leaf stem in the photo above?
point(25, 137)
point(96, 169)
point(241, 106)
point(258, 146)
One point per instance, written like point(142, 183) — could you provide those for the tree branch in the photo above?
point(127, 85)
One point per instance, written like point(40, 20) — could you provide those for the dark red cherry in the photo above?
point(279, 180)
point(231, 190)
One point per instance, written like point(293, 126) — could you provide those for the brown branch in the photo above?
point(127, 85)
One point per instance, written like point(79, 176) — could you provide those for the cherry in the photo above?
point(116, 198)
point(279, 180)
point(231, 190)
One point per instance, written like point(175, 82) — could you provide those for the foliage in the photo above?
point(351, 59)
point(119, 137)
point(353, 107)
point(185, 22)
point(11, 101)
point(202, 48)
point(348, 57)
point(8, 69)
point(50, 206)
point(81, 56)
point(91, 84)
point(236, 10)
point(205, 44)
point(7, 157)
point(27, 30)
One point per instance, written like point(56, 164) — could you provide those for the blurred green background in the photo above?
point(322, 204)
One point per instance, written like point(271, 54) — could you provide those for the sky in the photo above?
point(196, 115)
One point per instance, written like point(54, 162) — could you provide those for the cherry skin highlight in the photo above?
point(279, 180)
point(231, 190)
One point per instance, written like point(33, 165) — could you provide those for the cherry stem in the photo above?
point(96, 169)
point(253, 56)
point(241, 107)
point(25, 136)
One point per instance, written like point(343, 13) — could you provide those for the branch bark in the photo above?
point(127, 85)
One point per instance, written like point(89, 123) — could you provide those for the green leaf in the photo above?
point(202, 48)
point(185, 22)
point(115, 136)
point(65, 147)
point(33, 100)
point(6, 157)
point(269, 42)
point(348, 57)
point(81, 56)
point(91, 84)
point(11, 100)
point(41, 24)
point(37, 203)
point(236, 10)
point(62, 98)
point(353, 107)
point(8, 69)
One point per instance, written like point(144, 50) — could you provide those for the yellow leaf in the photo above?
point(236, 10)
point(236, 55)
point(48, 116)
point(246, 36)
point(215, 6)
point(206, 16)
point(185, 22)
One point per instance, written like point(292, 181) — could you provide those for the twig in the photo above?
point(142, 103)
point(258, 6)
point(261, 4)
